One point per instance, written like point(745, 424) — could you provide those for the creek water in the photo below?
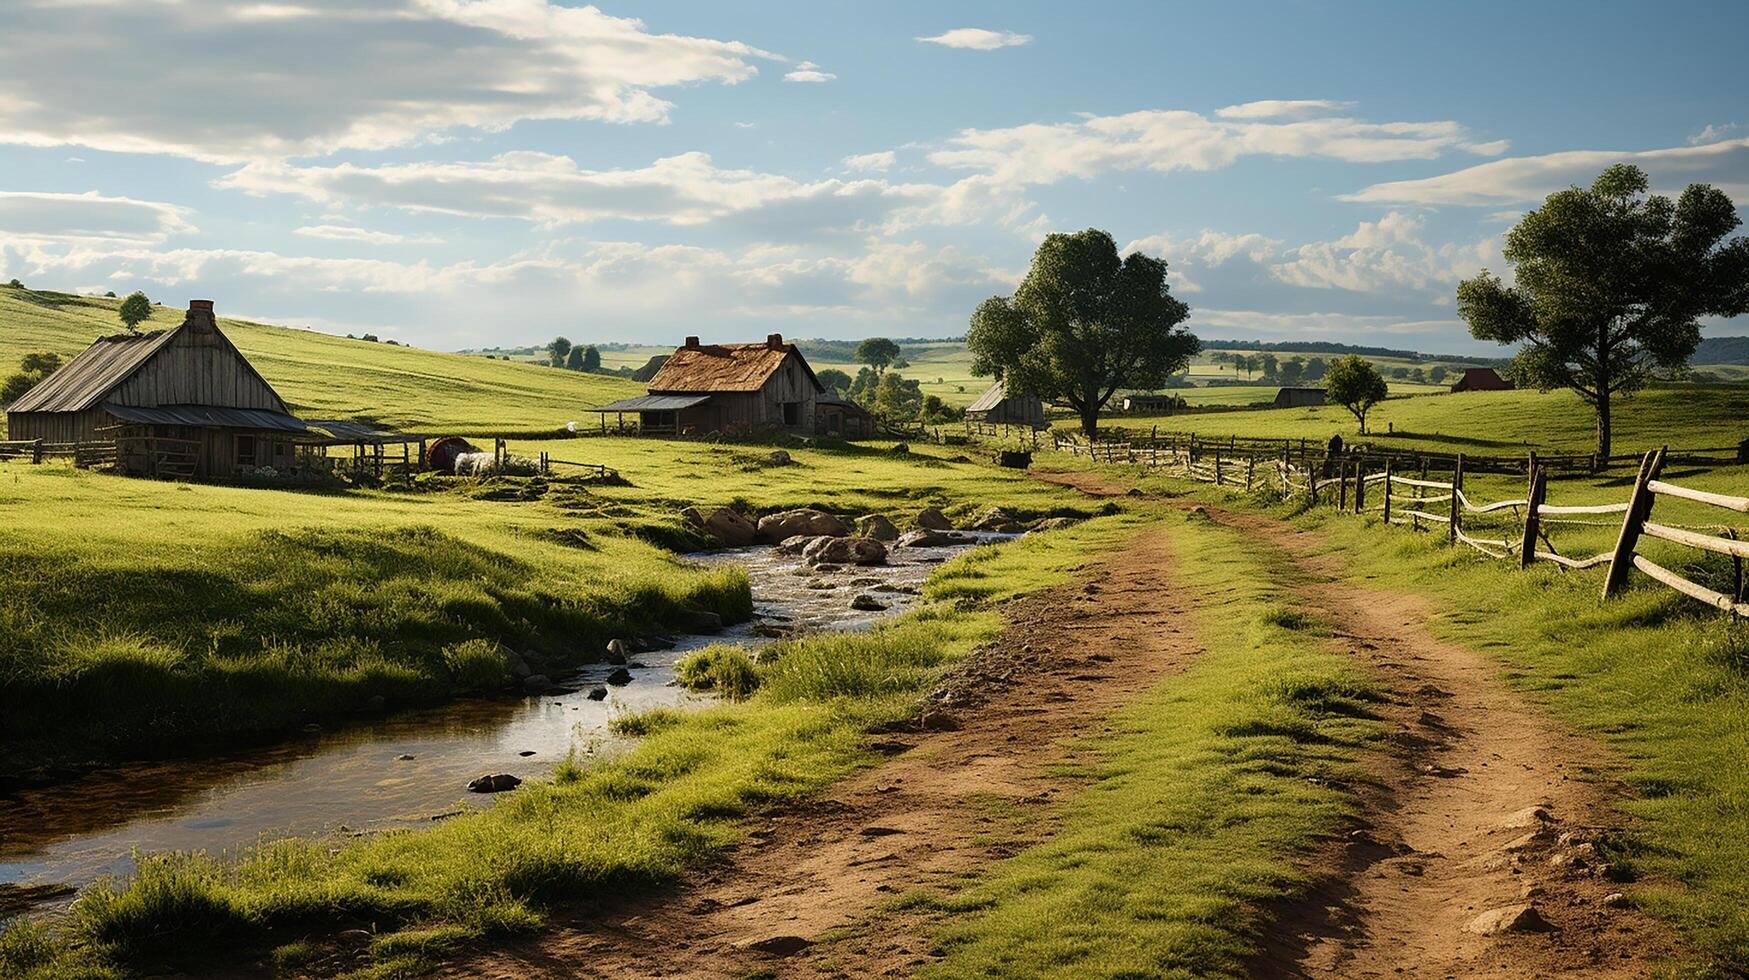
point(355, 779)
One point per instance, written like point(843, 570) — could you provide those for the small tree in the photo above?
point(1611, 286)
point(32, 369)
point(574, 360)
point(15, 284)
point(1315, 369)
point(136, 309)
point(591, 359)
point(1354, 383)
point(1419, 376)
point(878, 353)
point(834, 380)
point(1436, 374)
point(897, 398)
point(1083, 323)
point(1269, 366)
point(1290, 371)
point(1399, 373)
point(557, 350)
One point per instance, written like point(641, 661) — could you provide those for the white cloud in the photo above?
point(350, 233)
point(1519, 180)
point(1712, 134)
point(1240, 324)
point(91, 217)
point(280, 80)
point(978, 39)
point(688, 189)
point(1382, 256)
point(1167, 140)
point(882, 160)
point(807, 71)
point(1282, 109)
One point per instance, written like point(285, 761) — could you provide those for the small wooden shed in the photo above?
point(843, 417)
point(728, 388)
point(182, 402)
point(1299, 398)
point(996, 406)
point(1481, 379)
point(1152, 403)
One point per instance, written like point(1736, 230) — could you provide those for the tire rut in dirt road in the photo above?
point(1476, 856)
point(1066, 659)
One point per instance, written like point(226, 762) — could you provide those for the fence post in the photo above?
point(1387, 491)
point(1217, 464)
point(1251, 466)
point(1360, 485)
point(36, 453)
point(1342, 486)
point(1532, 522)
point(1457, 511)
point(1639, 508)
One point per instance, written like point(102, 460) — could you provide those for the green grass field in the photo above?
point(324, 376)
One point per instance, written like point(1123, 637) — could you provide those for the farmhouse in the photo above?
point(997, 407)
point(1481, 379)
point(181, 403)
point(1299, 398)
point(727, 388)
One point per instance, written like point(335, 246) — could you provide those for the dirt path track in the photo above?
point(1068, 657)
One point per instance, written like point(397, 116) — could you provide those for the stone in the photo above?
point(1526, 842)
point(525, 753)
point(998, 521)
point(701, 621)
point(937, 720)
point(1530, 816)
point(616, 651)
point(773, 528)
point(726, 526)
point(780, 945)
point(403, 757)
point(779, 457)
point(931, 519)
point(620, 677)
point(519, 667)
point(928, 538)
point(900, 448)
point(1508, 918)
point(494, 783)
point(877, 526)
point(1614, 900)
point(797, 544)
point(845, 551)
point(536, 684)
point(868, 603)
point(597, 694)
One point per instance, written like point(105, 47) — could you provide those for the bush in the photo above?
point(727, 670)
point(477, 665)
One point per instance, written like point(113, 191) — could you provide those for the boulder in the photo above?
point(868, 603)
point(900, 449)
point(494, 783)
point(931, 519)
point(1508, 918)
point(725, 525)
point(536, 684)
point(998, 521)
point(701, 621)
point(845, 551)
point(620, 677)
point(876, 526)
point(775, 527)
point(798, 544)
point(778, 457)
point(937, 720)
point(616, 651)
point(924, 538)
point(597, 694)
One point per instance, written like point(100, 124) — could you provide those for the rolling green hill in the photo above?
point(324, 376)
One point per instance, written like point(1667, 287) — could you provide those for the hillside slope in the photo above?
point(324, 376)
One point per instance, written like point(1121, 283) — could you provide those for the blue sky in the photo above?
point(458, 173)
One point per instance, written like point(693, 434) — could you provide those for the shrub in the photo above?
point(477, 665)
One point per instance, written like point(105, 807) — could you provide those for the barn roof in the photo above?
point(83, 382)
point(726, 367)
point(208, 417)
point(994, 395)
point(654, 403)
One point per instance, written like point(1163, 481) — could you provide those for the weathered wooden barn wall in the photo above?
point(198, 367)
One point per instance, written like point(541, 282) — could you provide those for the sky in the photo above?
point(476, 173)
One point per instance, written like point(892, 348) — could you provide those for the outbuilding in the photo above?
point(997, 406)
point(843, 417)
point(1481, 379)
point(1152, 403)
point(181, 403)
point(1299, 398)
point(728, 388)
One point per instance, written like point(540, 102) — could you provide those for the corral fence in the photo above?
point(1418, 501)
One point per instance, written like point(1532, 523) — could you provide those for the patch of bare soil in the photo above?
point(1089, 482)
point(1477, 856)
point(970, 785)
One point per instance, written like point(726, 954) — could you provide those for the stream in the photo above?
point(357, 779)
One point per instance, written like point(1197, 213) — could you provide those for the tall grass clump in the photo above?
point(477, 665)
point(724, 669)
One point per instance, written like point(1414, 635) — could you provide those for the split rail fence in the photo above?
point(1425, 503)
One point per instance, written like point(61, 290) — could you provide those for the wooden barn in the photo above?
point(729, 388)
point(1481, 379)
point(181, 402)
point(1299, 398)
point(843, 417)
point(997, 407)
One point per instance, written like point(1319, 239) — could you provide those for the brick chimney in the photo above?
point(691, 343)
point(774, 341)
point(200, 313)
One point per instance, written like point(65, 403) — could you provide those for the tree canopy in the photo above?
point(1610, 286)
point(32, 369)
point(574, 359)
point(1354, 383)
point(591, 358)
point(136, 309)
point(557, 350)
point(1083, 323)
point(834, 380)
point(878, 353)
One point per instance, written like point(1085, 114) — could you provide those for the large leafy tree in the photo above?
point(1083, 324)
point(878, 353)
point(1354, 383)
point(1611, 285)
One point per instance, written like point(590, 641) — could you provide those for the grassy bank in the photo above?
point(1193, 806)
point(593, 832)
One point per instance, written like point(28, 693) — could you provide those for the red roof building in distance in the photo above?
point(1481, 379)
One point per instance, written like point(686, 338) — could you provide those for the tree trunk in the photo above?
point(1603, 423)
point(1090, 420)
